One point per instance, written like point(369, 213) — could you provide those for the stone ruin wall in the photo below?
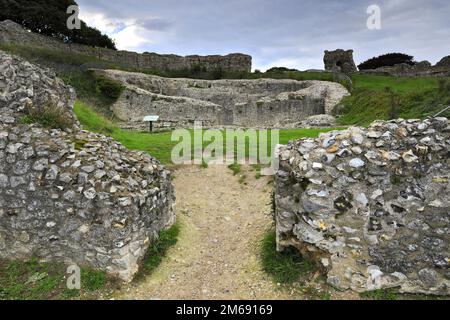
point(341, 61)
point(371, 206)
point(264, 103)
point(13, 33)
point(72, 196)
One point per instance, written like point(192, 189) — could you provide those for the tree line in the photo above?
point(49, 18)
point(386, 60)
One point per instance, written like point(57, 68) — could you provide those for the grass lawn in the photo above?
point(35, 280)
point(159, 145)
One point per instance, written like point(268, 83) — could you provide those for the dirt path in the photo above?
point(216, 257)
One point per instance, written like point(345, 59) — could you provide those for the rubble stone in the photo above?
point(59, 207)
point(374, 221)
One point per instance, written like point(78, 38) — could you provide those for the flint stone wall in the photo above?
point(240, 103)
point(72, 196)
point(370, 206)
point(13, 33)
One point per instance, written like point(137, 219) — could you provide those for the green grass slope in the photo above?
point(383, 97)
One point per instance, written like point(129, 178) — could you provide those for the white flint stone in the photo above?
point(356, 163)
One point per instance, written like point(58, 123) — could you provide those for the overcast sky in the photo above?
point(289, 33)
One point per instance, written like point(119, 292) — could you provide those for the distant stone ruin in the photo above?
point(71, 195)
point(263, 103)
point(444, 63)
point(423, 68)
point(13, 33)
point(370, 206)
point(340, 61)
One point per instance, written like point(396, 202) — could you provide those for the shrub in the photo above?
point(49, 116)
point(109, 88)
point(280, 69)
point(386, 60)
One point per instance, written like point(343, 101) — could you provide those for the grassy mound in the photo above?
point(383, 97)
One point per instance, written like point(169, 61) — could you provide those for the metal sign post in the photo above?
point(150, 120)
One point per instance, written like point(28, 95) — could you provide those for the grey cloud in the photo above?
point(154, 24)
point(286, 30)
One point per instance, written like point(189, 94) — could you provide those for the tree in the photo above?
point(49, 18)
point(280, 69)
point(386, 60)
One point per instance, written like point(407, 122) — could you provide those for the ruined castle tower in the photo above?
point(340, 61)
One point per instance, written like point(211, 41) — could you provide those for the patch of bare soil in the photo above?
point(223, 220)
